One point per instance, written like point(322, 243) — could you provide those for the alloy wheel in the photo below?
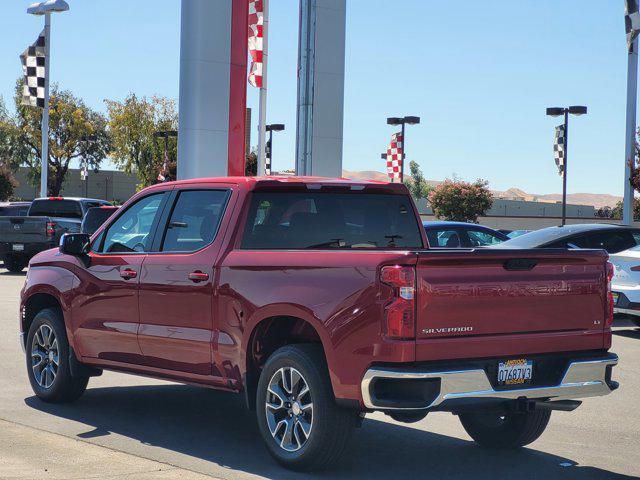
point(289, 409)
point(44, 356)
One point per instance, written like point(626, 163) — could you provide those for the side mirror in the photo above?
point(76, 244)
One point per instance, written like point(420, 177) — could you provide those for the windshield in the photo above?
point(319, 220)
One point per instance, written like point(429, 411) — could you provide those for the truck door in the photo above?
point(177, 328)
point(106, 311)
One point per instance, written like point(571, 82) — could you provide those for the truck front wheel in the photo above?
point(303, 427)
point(509, 430)
point(48, 364)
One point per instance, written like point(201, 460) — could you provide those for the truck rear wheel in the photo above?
point(48, 365)
point(510, 430)
point(14, 265)
point(303, 427)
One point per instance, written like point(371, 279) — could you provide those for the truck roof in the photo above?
point(75, 199)
point(250, 183)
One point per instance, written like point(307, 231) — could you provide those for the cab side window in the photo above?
point(132, 231)
point(444, 238)
point(195, 220)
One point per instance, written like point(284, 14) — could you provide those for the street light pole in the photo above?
point(165, 160)
point(556, 112)
point(44, 151)
point(86, 139)
point(46, 8)
point(268, 158)
point(630, 134)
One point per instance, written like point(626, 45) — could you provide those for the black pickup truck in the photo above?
point(48, 219)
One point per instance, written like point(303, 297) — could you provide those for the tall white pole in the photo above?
point(630, 134)
point(262, 112)
point(44, 161)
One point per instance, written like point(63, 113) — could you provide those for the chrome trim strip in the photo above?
point(582, 379)
point(22, 342)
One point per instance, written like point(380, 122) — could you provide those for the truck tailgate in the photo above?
point(23, 229)
point(487, 303)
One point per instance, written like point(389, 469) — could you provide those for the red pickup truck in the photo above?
point(319, 300)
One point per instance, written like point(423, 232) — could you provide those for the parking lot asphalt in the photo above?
point(138, 428)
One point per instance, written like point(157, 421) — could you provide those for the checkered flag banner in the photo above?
point(267, 165)
point(395, 152)
point(558, 149)
point(631, 22)
point(33, 60)
point(256, 21)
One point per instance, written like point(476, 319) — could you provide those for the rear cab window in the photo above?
point(329, 220)
point(60, 208)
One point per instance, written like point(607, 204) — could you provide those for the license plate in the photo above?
point(514, 372)
point(17, 247)
point(615, 297)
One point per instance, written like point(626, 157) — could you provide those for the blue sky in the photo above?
point(480, 75)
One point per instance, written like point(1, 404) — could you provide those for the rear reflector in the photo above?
point(399, 313)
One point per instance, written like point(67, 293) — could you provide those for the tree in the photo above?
point(132, 124)
point(8, 183)
point(461, 201)
point(417, 184)
point(70, 123)
point(616, 212)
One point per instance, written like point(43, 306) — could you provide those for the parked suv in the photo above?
point(319, 300)
point(95, 217)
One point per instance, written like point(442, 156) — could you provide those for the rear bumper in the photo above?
point(454, 389)
point(29, 249)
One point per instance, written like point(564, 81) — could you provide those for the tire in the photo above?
point(511, 430)
point(14, 265)
point(51, 383)
point(320, 434)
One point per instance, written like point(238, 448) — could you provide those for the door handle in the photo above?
point(127, 273)
point(198, 276)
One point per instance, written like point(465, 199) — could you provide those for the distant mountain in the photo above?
point(598, 200)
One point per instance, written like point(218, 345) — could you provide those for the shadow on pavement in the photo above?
point(628, 333)
point(7, 273)
point(214, 426)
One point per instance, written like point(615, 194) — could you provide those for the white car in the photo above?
point(626, 282)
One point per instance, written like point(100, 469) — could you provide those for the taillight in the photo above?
point(610, 302)
point(51, 229)
point(400, 311)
